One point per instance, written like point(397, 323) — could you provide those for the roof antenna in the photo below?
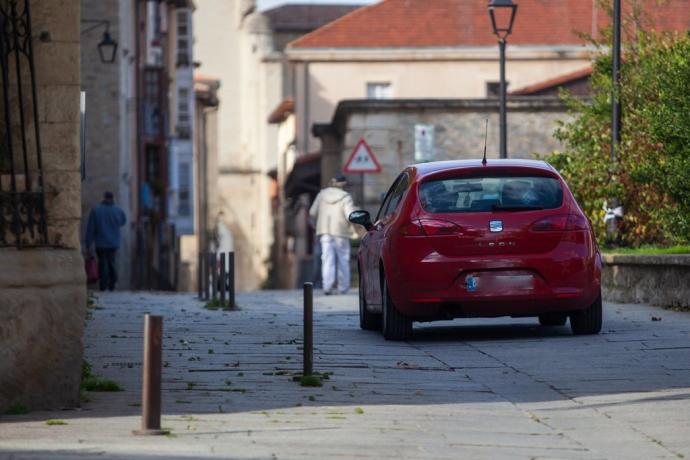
point(486, 132)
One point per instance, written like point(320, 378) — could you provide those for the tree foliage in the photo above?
point(651, 175)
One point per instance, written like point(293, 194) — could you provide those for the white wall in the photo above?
point(420, 76)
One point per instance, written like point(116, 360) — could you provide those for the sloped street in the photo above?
point(503, 388)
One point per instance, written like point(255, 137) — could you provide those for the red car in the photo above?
point(472, 239)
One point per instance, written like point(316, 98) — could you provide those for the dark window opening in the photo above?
point(493, 88)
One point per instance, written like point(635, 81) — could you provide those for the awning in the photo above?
point(305, 176)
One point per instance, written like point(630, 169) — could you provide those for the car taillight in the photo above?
point(561, 223)
point(414, 228)
point(430, 227)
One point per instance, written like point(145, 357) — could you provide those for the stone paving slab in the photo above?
point(477, 389)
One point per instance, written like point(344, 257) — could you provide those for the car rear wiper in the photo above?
point(498, 207)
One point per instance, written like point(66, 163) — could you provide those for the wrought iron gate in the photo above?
point(22, 201)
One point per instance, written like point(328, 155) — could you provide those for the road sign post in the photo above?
point(362, 161)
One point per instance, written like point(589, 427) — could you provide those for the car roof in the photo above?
point(426, 169)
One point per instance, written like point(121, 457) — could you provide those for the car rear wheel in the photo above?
point(587, 321)
point(395, 325)
point(367, 320)
point(553, 319)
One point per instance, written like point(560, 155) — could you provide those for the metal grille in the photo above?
point(22, 202)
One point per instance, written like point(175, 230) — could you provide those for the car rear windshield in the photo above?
point(487, 194)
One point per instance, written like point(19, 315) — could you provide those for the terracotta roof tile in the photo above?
point(555, 82)
point(447, 23)
point(281, 112)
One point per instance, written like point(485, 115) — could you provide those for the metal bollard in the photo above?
point(207, 294)
point(200, 275)
point(231, 280)
point(213, 266)
point(222, 280)
point(151, 386)
point(308, 345)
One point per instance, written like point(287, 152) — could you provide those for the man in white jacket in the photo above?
point(330, 210)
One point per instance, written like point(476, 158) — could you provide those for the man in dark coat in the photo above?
point(103, 230)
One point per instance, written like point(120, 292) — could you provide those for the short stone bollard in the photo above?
point(213, 266)
point(223, 281)
point(231, 279)
point(200, 275)
point(308, 348)
point(207, 271)
point(151, 385)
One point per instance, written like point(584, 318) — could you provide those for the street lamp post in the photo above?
point(614, 210)
point(502, 14)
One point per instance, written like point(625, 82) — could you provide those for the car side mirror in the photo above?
point(361, 218)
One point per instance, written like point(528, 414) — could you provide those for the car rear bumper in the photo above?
point(426, 306)
point(566, 279)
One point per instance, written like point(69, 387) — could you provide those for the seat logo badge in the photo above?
point(496, 226)
point(471, 283)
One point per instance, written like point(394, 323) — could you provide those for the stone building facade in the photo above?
point(205, 193)
point(140, 129)
point(110, 118)
point(42, 286)
point(244, 48)
point(447, 49)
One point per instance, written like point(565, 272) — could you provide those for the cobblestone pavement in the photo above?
point(500, 388)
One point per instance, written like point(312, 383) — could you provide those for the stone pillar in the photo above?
point(42, 289)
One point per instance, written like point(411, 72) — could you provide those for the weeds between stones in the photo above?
point(217, 304)
point(92, 382)
point(18, 409)
point(54, 422)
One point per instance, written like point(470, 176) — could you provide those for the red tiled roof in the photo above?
point(446, 23)
point(553, 82)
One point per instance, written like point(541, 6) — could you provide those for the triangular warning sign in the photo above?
point(362, 160)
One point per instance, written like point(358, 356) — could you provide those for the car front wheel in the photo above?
point(396, 326)
point(587, 321)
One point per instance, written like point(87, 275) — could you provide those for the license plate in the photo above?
point(499, 283)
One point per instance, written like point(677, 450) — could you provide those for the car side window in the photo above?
point(387, 199)
point(396, 195)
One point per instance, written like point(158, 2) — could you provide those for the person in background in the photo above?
point(103, 231)
point(330, 211)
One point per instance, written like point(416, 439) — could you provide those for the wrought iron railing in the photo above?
point(22, 200)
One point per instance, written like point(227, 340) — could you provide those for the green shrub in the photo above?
point(652, 167)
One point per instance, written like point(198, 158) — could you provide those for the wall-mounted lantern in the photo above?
point(107, 47)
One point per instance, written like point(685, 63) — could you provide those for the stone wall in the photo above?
point(41, 325)
point(388, 126)
point(662, 280)
point(42, 290)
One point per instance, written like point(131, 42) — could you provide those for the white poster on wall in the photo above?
point(424, 143)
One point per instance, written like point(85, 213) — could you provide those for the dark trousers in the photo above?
point(107, 272)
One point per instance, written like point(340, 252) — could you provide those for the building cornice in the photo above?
point(461, 53)
point(488, 105)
